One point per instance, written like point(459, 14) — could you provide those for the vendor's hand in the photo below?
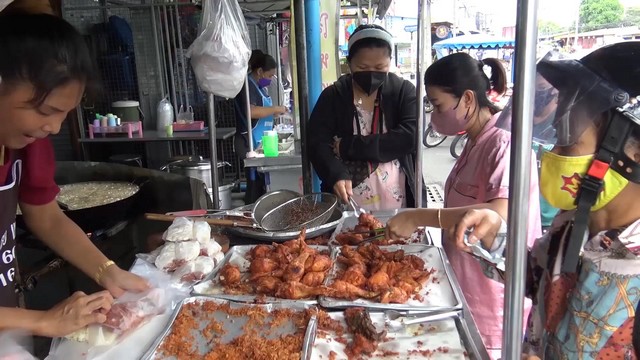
point(75, 313)
point(118, 281)
point(485, 223)
point(279, 110)
point(401, 226)
point(343, 190)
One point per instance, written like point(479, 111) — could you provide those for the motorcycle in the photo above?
point(458, 144)
point(431, 138)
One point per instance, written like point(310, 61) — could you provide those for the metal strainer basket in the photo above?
point(306, 211)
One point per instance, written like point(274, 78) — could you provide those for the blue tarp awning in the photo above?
point(474, 41)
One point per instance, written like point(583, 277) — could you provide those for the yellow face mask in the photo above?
point(560, 178)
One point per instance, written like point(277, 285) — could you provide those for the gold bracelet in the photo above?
point(102, 269)
point(439, 218)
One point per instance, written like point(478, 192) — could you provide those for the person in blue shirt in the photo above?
point(547, 212)
point(262, 69)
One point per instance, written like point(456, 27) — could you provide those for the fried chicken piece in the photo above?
point(354, 256)
point(359, 322)
point(295, 269)
point(261, 251)
point(379, 281)
point(344, 290)
point(347, 238)
point(282, 254)
point(414, 261)
point(296, 290)
point(370, 221)
point(394, 295)
point(230, 275)
point(407, 284)
point(355, 275)
point(277, 273)
point(297, 245)
point(262, 266)
point(313, 278)
point(320, 263)
point(267, 285)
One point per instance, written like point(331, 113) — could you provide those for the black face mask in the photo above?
point(369, 81)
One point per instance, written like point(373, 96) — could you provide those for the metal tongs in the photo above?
point(393, 323)
point(356, 208)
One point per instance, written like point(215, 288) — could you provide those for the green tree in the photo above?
point(600, 14)
point(549, 28)
point(631, 16)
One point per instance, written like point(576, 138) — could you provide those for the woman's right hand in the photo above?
point(485, 223)
point(343, 190)
point(279, 110)
point(74, 313)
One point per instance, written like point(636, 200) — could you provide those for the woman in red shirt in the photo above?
point(44, 68)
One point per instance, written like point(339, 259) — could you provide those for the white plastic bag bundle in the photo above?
point(14, 345)
point(201, 231)
point(181, 229)
point(220, 54)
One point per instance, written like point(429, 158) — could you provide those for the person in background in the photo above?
point(584, 274)
point(458, 87)
point(262, 68)
point(44, 69)
point(362, 129)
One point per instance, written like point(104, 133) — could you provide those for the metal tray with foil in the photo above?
point(231, 327)
point(441, 291)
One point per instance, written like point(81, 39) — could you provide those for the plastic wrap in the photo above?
point(210, 248)
point(201, 232)
point(175, 254)
point(194, 271)
point(15, 345)
point(181, 229)
point(220, 54)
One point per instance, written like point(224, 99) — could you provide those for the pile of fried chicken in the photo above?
point(369, 272)
point(291, 270)
point(294, 270)
point(368, 227)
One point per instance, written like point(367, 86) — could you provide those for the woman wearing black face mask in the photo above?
point(362, 129)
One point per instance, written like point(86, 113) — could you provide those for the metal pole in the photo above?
point(154, 26)
point(183, 59)
point(276, 31)
point(214, 151)
point(172, 85)
point(423, 61)
point(519, 177)
point(575, 40)
point(174, 44)
point(247, 100)
point(359, 12)
point(338, 68)
point(303, 90)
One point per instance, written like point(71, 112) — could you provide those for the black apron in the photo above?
point(9, 205)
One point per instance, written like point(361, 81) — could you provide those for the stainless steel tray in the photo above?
point(350, 220)
point(439, 293)
point(232, 325)
point(258, 234)
point(437, 340)
point(237, 255)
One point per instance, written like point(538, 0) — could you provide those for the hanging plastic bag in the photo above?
point(220, 54)
point(14, 345)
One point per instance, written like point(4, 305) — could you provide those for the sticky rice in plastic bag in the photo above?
point(201, 232)
point(210, 248)
point(195, 270)
point(175, 254)
point(180, 230)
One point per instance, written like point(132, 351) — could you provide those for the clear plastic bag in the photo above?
point(14, 345)
point(220, 54)
point(128, 313)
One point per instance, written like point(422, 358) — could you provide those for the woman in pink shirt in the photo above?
point(458, 86)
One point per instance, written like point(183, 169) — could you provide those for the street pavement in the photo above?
point(437, 163)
